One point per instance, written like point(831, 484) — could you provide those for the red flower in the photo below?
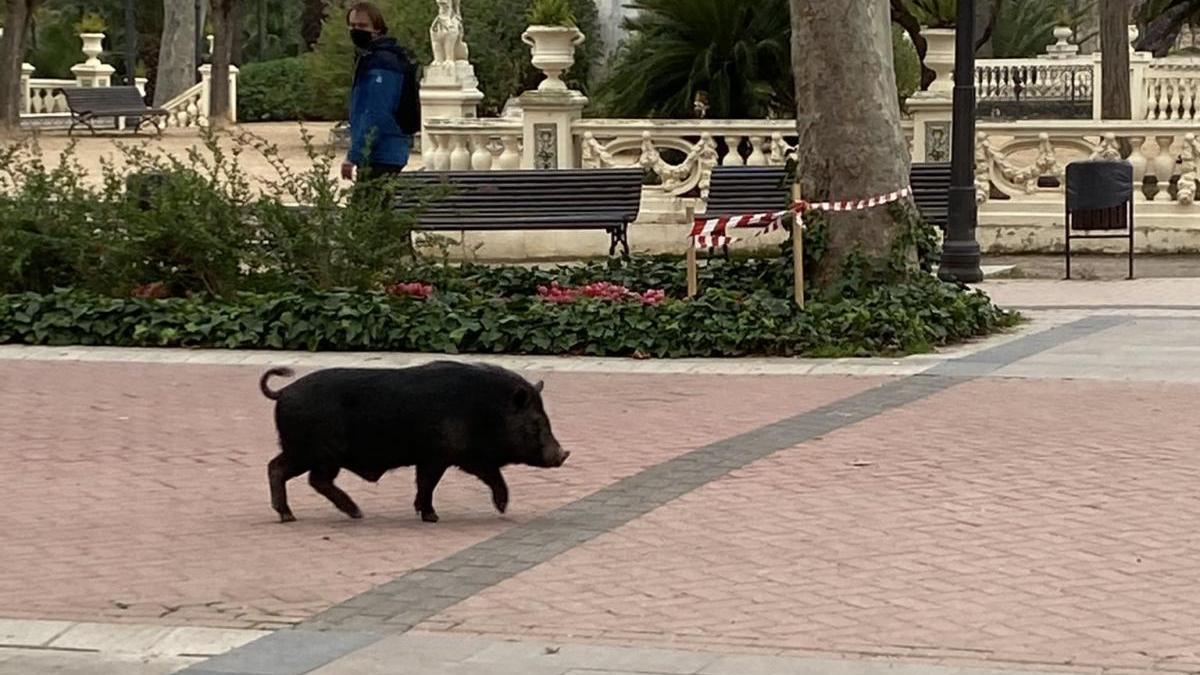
point(600, 290)
point(414, 289)
point(153, 291)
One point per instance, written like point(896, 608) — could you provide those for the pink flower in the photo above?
point(600, 290)
point(414, 289)
point(153, 291)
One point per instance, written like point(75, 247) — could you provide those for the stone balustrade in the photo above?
point(472, 144)
point(43, 97)
point(1025, 160)
point(1171, 90)
point(43, 104)
point(1050, 87)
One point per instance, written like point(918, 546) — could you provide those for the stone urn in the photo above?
point(940, 57)
point(93, 47)
point(553, 49)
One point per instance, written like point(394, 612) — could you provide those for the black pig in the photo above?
point(478, 418)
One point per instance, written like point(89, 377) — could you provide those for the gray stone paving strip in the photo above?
point(438, 654)
point(1117, 308)
point(398, 605)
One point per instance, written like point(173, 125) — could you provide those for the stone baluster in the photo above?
point(460, 157)
point(757, 156)
point(1176, 98)
point(1164, 164)
point(481, 158)
point(441, 155)
point(1139, 161)
point(734, 156)
point(429, 146)
point(511, 157)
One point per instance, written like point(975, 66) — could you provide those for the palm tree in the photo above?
point(1163, 20)
point(732, 52)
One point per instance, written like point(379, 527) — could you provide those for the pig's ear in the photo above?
point(539, 386)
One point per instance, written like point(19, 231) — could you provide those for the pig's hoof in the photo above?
point(287, 518)
point(355, 514)
point(429, 516)
point(501, 503)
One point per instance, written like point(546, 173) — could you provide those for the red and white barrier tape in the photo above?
point(712, 232)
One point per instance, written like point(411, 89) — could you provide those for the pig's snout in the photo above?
point(557, 458)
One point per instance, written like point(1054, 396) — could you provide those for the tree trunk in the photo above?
point(12, 55)
point(261, 16)
point(851, 144)
point(310, 21)
point(1115, 103)
point(238, 21)
point(1158, 36)
point(177, 51)
point(131, 41)
point(223, 14)
point(202, 31)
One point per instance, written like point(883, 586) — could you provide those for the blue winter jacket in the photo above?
point(374, 100)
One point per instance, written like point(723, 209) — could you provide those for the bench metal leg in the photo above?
point(619, 236)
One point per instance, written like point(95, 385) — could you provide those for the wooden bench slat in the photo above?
point(575, 199)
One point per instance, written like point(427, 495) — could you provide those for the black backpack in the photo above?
point(408, 115)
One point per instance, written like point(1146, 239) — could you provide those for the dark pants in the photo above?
point(369, 193)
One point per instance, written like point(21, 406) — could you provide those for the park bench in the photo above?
point(489, 201)
point(741, 190)
point(736, 191)
point(88, 104)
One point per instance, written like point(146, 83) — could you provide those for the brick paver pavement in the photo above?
point(1039, 522)
point(137, 492)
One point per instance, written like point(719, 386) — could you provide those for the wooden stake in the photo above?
point(693, 271)
point(798, 249)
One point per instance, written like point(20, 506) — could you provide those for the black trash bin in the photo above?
point(1099, 203)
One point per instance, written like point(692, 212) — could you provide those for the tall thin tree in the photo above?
point(851, 143)
point(17, 17)
point(177, 50)
point(224, 14)
point(131, 40)
point(1115, 100)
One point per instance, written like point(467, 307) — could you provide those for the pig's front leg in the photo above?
point(428, 476)
point(492, 477)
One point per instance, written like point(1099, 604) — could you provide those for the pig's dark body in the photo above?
point(371, 421)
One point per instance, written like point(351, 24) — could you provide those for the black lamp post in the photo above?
point(960, 250)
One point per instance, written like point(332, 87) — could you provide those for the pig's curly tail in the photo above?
point(262, 383)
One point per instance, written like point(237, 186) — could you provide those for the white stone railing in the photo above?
point(682, 153)
point(187, 109)
point(1027, 160)
point(44, 98)
point(1039, 81)
point(1172, 89)
point(472, 144)
point(44, 105)
point(693, 147)
point(1162, 89)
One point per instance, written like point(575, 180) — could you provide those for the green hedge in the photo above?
point(273, 91)
point(889, 320)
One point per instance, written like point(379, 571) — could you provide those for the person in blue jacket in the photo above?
point(381, 124)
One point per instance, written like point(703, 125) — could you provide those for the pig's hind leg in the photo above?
point(321, 479)
point(279, 471)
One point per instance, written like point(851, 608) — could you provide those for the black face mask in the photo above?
point(361, 38)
